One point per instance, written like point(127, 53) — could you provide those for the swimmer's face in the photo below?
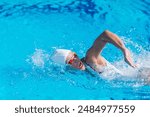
point(74, 61)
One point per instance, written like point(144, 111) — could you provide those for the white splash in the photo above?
point(39, 58)
point(140, 56)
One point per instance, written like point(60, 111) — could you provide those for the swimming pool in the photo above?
point(32, 29)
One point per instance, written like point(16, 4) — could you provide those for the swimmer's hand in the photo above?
point(128, 59)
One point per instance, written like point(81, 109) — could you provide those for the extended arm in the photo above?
point(109, 37)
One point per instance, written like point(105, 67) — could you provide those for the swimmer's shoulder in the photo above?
point(92, 66)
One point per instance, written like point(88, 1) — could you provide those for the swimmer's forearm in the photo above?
point(110, 37)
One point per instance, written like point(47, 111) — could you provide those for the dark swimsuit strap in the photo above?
point(84, 61)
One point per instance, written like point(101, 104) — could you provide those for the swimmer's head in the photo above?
point(63, 56)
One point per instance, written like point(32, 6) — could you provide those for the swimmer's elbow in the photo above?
point(106, 32)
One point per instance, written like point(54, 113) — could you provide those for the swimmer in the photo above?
point(93, 57)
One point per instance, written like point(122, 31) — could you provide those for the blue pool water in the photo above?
point(30, 30)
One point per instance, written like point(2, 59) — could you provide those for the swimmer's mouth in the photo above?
point(80, 65)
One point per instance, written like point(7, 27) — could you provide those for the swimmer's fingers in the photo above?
point(128, 59)
point(134, 66)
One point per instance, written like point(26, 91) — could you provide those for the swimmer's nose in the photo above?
point(77, 62)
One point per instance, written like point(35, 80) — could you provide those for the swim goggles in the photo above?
point(71, 60)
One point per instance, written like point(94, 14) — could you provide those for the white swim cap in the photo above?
point(60, 56)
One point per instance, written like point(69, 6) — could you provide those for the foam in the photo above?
point(39, 58)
